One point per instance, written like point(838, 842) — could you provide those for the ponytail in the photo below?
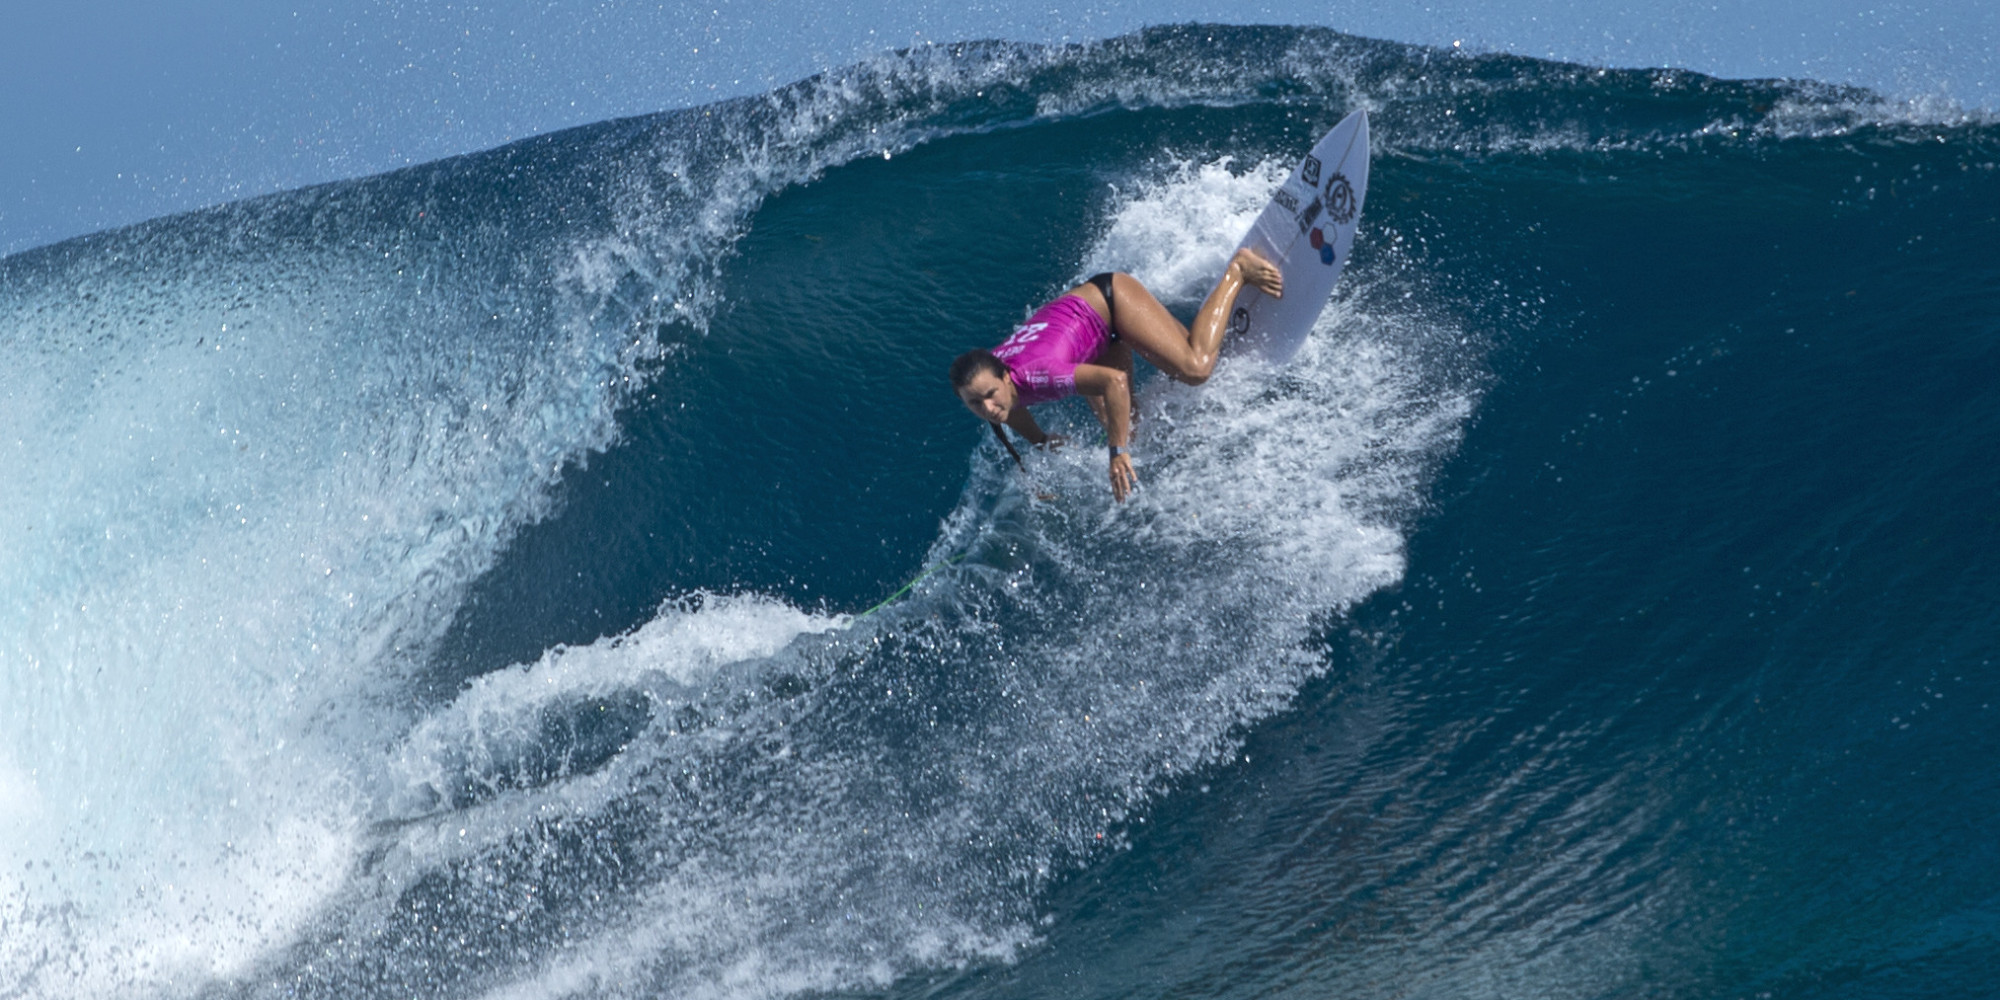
point(1009, 445)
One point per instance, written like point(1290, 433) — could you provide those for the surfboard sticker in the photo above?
point(1307, 231)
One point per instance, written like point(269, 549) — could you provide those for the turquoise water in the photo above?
point(444, 583)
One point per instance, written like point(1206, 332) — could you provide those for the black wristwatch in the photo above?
point(1117, 450)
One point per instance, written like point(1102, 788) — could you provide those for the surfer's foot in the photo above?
point(1261, 274)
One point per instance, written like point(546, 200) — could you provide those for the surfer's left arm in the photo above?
point(1114, 388)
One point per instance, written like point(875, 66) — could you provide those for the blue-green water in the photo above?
point(443, 583)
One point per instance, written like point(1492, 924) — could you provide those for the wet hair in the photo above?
point(973, 362)
point(969, 365)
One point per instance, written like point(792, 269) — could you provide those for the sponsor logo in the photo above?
point(1239, 321)
point(1309, 172)
point(1287, 199)
point(1340, 205)
point(1307, 217)
point(1323, 245)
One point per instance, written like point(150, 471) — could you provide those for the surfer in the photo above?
point(1083, 342)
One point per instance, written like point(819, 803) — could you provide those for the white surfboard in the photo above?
point(1306, 230)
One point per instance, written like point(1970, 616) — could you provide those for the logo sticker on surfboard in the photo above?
point(1324, 246)
point(1307, 217)
point(1340, 199)
point(1309, 171)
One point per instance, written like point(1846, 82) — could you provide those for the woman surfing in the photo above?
point(1082, 343)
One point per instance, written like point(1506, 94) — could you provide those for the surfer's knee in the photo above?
point(1194, 372)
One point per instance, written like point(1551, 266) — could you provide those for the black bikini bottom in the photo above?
point(1102, 280)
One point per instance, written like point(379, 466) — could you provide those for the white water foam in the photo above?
point(499, 717)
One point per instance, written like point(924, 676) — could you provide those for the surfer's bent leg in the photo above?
point(1188, 355)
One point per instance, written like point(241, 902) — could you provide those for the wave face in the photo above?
point(452, 583)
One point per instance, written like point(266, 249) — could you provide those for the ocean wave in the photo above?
point(280, 467)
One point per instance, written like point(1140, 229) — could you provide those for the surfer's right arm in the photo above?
point(1114, 388)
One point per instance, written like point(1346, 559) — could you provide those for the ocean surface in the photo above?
point(458, 582)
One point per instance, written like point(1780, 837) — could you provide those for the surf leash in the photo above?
point(886, 601)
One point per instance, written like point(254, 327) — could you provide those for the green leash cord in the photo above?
point(886, 601)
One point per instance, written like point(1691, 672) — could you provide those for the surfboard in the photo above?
point(1306, 230)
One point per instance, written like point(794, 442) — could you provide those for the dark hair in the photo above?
point(972, 363)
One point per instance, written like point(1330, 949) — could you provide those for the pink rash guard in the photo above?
point(1043, 352)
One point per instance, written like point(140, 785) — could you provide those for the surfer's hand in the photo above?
point(1122, 477)
point(1052, 442)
